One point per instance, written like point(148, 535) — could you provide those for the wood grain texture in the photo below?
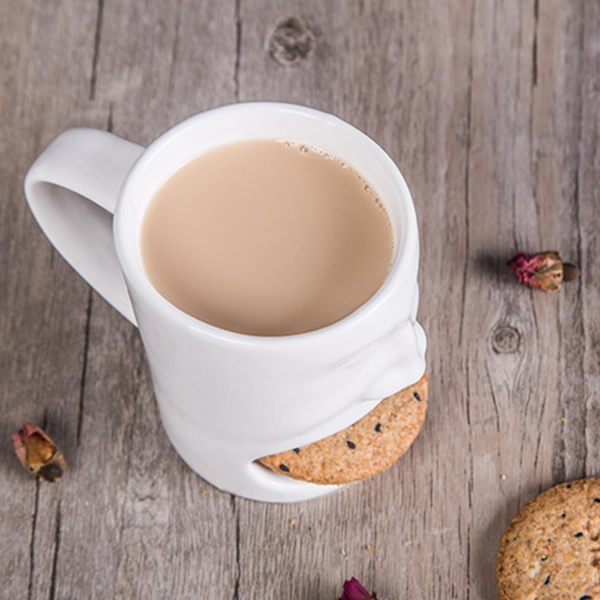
point(490, 109)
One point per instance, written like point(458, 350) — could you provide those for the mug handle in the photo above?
point(72, 191)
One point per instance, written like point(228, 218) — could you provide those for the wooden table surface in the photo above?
point(490, 108)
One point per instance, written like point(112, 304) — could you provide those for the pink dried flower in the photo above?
point(38, 453)
point(544, 270)
point(353, 590)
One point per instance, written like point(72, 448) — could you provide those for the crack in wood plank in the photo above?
point(127, 475)
point(57, 532)
point(468, 570)
point(174, 49)
point(580, 300)
point(470, 484)
point(86, 342)
point(96, 56)
point(534, 49)
point(374, 561)
point(532, 137)
point(32, 540)
point(467, 166)
point(540, 431)
point(238, 49)
point(576, 194)
point(494, 400)
point(236, 515)
point(109, 123)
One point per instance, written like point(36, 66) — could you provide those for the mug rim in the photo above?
point(128, 249)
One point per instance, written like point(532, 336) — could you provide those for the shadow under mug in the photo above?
point(226, 398)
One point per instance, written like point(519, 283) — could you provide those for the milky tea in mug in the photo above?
point(268, 238)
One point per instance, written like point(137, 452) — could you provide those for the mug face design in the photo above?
point(227, 398)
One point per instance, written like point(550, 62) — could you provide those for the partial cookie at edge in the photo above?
point(551, 549)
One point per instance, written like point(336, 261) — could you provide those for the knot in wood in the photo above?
point(505, 340)
point(291, 41)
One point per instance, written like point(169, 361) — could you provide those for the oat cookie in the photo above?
point(551, 549)
point(366, 448)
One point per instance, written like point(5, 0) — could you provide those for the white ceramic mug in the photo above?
point(226, 398)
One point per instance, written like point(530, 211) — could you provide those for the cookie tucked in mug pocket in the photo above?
point(268, 254)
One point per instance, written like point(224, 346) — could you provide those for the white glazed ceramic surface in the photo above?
point(225, 398)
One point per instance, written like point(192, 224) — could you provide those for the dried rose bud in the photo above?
point(38, 453)
point(544, 271)
point(353, 590)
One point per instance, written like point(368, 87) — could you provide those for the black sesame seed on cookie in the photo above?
point(365, 448)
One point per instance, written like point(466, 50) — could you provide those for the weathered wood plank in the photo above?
point(66, 350)
point(502, 360)
point(525, 124)
point(16, 509)
point(376, 66)
point(43, 303)
point(584, 211)
point(557, 128)
point(151, 519)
